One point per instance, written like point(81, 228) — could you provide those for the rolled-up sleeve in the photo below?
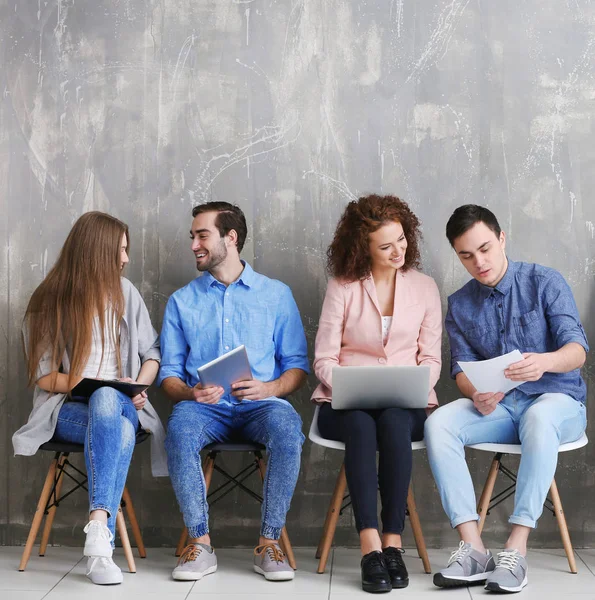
point(561, 312)
point(174, 347)
point(291, 349)
point(459, 346)
point(430, 335)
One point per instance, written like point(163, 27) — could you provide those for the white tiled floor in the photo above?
point(60, 575)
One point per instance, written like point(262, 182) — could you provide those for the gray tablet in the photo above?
point(380, 387)
point(227, 369)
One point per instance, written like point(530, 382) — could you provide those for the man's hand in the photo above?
point(207, 395)
point(139, 400)
point(531, 368)
point(252, 389)
point(486, 403)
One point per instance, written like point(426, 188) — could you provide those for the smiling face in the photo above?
point(388, 246)
point(210, 249)
point(124, 252)
point(482, 253)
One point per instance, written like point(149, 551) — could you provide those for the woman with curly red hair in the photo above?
point(378, 309)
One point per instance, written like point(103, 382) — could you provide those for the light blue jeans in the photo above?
point(539, 423)
point(193, 425)
point(106, 426)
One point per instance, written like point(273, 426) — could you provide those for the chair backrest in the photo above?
point(314, 436)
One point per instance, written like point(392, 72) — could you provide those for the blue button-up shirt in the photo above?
point(206, 319)
point(532, 309)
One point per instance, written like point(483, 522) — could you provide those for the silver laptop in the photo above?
point(380, 387)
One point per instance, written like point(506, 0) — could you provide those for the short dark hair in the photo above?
point(465, 217)
point(229, 216)
point(348, 256)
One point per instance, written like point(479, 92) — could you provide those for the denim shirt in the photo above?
point(532, 309)
point(206, 319)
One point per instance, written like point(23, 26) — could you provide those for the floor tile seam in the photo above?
point(584, 562)
point(63, 577)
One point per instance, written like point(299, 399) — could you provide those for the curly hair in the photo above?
point(348, 256)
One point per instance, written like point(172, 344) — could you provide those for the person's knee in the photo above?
point(183, 435)
point(105, 402)
point(537, 425)
point(285, 427)
point(358, 425)
point(394, 420)
point(128, 434)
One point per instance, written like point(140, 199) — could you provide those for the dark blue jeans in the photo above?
point(389, 431)
point(106, 426)
point(193, 425)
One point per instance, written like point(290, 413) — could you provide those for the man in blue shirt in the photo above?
point(507, 305)
point(228, 306)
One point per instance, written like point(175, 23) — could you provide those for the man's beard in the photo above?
point(216, 257)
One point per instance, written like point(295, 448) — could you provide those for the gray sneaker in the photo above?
point(196, 561)
point(466, 566)
point(270, 561)
point(510, 574)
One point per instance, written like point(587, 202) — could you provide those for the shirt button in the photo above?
point(500, 305)
point(382, 360)
point(227, 320)
point(501, 330)
point(227, 347)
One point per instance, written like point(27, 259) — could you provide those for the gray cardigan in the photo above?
point(139, 342)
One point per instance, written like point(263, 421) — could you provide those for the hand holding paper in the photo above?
point(488, 375)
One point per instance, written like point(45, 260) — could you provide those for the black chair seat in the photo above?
point(69, 448)
point(240, 446)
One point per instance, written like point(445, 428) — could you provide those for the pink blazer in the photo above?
point(350, 329)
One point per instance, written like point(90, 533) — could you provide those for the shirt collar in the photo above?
point(504, 285)
point(246, 277)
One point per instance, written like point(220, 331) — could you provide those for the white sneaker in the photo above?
point(98, 542)
point(103, 571)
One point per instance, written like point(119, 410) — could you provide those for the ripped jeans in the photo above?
point(106, 426)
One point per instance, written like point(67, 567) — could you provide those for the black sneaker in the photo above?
point(375, 577)
point(393, 557)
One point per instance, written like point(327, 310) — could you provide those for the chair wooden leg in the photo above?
point(324, 530)
point(136, 533)
point(38, 517)
point(49, 519)
point(563, 527)
point(284, 541)
point(329, 534)
point(121, 526)
point(417, 532)
point(208, 467)
point(287, 548)
point(488, 489)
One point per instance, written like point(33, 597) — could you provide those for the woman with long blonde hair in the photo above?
point(86, 320)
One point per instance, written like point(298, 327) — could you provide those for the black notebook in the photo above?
point(85, 387)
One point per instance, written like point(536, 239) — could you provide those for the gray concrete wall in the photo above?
point(290, 108)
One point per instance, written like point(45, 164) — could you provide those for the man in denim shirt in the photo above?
point(507, 305)
point(228, 306)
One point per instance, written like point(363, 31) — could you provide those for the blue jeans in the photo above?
point(193, 425)
point(539, 423)
point(106, 426)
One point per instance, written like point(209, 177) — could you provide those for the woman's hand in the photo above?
point(139, 400)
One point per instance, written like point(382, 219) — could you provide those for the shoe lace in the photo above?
point(273, 551)
point(103, 561)
point(394, 555)
point(459, 553)
point(190, 553)
point(508, 559)
point(102, 530)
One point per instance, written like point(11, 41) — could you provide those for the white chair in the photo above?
point(339, 497)
point(487, 503)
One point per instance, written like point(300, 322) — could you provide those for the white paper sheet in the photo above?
point(488, 375)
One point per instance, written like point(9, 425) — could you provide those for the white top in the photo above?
point(386, 323)
point(108, 367)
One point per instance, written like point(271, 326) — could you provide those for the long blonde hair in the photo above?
point(84, 282)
